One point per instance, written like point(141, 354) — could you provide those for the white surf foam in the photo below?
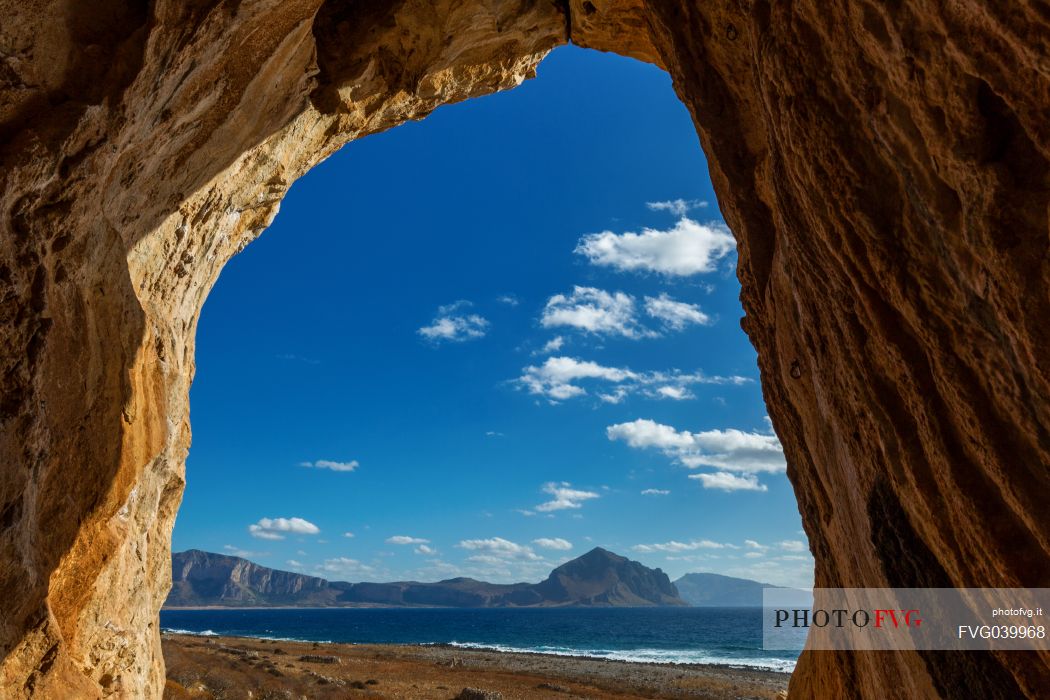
point(651, 656)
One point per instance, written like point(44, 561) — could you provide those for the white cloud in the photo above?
point(345, 566)
point(487, 559)
point(294, 564)
point(553, 543)
point(793, 546)
point(501, 569)
point(675, 546)
point(656, 492)
point(679, 207)
point(694, 558)
point(334, 466)
point(437, 569)
point(496, 548)
point(554, 378)
point(753, 555)
point(424, 549)
point(243, 553)
point(687, 248)
point(615, 396)
point(564, 497)
point(277, 528)
point(729, 450)
point(558, 379)
point(454, 324)
point(508, 299)
point(644, 433)
point(796, 574)
point(724, 481)
point(674, 314)
point(405, 539)
point(596, 311)
point(553, 345)
point(348, 534)
point(677, 393)
point(751, 544)
point(701, 378)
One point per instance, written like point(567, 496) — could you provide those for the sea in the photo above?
point(730, 636)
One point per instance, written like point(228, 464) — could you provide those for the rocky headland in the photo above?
point(598, 578)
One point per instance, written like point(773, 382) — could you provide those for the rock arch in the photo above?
point(884, 166)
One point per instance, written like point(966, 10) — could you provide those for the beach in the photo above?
point(239, 667)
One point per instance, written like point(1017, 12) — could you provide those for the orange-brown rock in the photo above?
point(884, 166)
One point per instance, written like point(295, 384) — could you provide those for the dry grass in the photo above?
point(239, 669)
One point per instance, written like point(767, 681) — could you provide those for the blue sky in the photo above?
point(483, 343)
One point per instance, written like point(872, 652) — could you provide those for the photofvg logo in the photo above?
point(839, 617)
point(906, 618)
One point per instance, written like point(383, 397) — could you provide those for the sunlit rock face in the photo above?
point(884, 166)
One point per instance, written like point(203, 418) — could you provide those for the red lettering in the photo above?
point(880, 616)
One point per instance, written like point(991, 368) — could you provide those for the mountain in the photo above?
point(598, 578)
point(715, 590)
point(205, 578)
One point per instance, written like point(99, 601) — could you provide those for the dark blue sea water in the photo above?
point(660, 635)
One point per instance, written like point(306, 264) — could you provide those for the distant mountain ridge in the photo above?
point(716, 590)
point(598, 578)
point(206, 578)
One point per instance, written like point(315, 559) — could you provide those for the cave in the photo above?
point(885, 168)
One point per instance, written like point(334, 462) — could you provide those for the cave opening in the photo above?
point(489, 342)
point(889, 245)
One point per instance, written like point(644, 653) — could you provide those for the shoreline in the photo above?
point(472, 646)
point(198, 662)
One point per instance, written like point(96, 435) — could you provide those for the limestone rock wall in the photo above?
point(883, 165)
point(140, 156)
point(886, 170)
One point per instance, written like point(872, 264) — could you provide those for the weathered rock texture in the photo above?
point(884, 166)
